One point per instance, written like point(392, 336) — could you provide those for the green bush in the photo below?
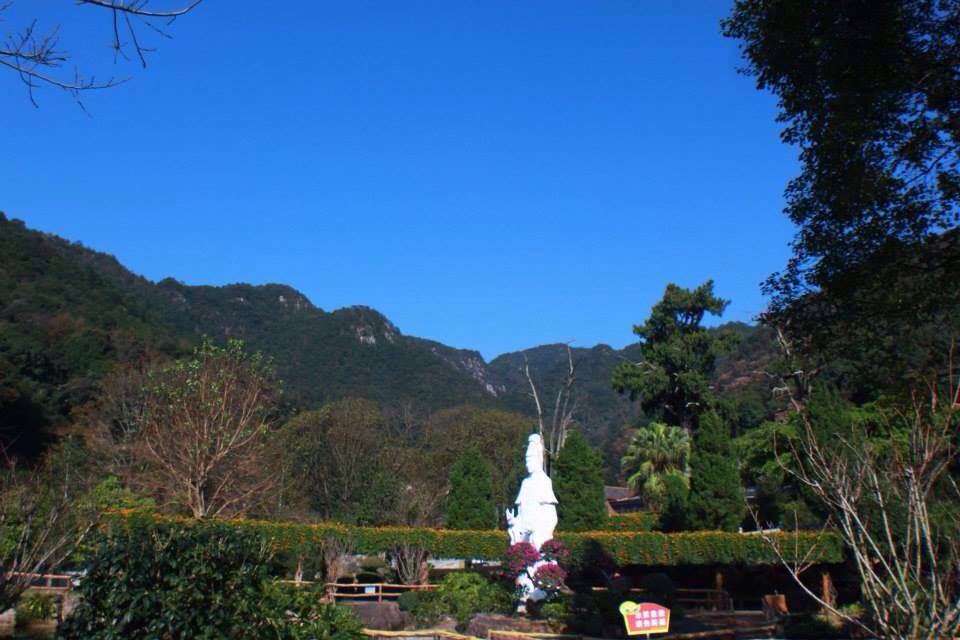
point(34, 605)
point(296, 613)
point(203, 581)
point(461, 595)
point(408, 601)
point(557, 611)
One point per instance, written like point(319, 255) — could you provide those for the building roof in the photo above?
point(616, 493)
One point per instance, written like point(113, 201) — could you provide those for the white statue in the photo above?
point(535, 516)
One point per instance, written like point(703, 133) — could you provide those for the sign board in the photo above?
point(645, 618)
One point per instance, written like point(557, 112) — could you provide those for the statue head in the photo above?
point(534, 455)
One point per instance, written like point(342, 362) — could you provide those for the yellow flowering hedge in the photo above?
point(626, 547)
point(638, 521)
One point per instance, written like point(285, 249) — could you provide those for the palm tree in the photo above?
point(655, 451)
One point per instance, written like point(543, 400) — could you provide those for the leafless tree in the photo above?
point(42, 519)
point(564, 408)
point(893, 503)
point(36, 56)
point(410, 561)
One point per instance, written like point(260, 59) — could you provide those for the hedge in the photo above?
point(626, 547)
point(638, 521)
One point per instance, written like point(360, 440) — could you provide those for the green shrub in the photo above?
point(156, 582)
point(203, 581)
point(408, 601)
point(296, 613)
point(34, 605)
point(557, 611)
point(461, 595)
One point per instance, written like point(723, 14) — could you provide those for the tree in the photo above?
point(578, 484)
point(676, 502)
point(564, 407)
point(43, 517)
point(449, 432)
point(867, 91)
point(203, 428)
point(888, 490)
point(716, 497)
point(335, 451)
point(655, 451)
point(679, 356)
point(35, 56)
point(470, 503)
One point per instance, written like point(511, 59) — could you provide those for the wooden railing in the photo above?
point(706, 599)
point(379, 591)
point(57, 582)
point(710, 599)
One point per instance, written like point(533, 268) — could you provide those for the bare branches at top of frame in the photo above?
point(564, 408)
point(142, 8)
point(37, 57)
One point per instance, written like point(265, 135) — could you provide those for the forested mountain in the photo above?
point(69, 314)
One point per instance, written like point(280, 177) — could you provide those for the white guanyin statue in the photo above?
point(535, 516)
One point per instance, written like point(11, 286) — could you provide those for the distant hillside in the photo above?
point(68, 314)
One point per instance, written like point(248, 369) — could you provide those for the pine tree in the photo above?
point(716, 495)
point(470, 503)
point(578, 485)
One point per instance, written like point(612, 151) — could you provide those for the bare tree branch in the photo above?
point(35, 56)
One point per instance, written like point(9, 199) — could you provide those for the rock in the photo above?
point(482, 623)
point(385, 616)
point(445, 623)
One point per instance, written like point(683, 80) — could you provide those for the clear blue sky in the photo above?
point(490, 174)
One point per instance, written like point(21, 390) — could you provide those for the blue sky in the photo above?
point(493, 175)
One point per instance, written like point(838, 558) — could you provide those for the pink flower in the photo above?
point(549, 577)
point(554, 551)
point(519, 556)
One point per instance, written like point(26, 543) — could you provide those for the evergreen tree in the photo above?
point(716, 496)
point(676, 492)
point(578, 485)
point(470, 503)
point(679, 356)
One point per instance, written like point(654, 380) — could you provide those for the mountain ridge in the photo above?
point(69, 314)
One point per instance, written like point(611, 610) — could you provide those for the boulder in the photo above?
point(445, 623)
point(385, 616)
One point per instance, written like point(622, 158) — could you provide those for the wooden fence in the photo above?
point(378, 591)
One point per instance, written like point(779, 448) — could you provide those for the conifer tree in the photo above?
point(716, 495)
point(470, 503)
point(578, 485)
point(679, 356)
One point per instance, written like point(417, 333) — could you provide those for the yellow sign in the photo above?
point(645, 618)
